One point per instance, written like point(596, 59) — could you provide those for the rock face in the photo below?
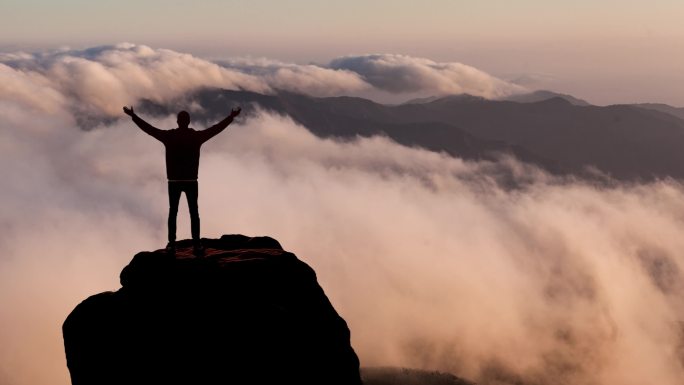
point(406, 376)
point(247, 312)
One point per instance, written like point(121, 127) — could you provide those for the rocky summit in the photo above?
point(245, 312)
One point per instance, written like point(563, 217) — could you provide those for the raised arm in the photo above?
point(148, 128)
point(220, 126)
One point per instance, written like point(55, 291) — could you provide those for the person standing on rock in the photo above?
point(182, 163)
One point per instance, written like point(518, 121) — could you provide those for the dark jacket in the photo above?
point(182, 146)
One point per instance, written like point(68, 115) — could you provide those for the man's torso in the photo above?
point(182, 153)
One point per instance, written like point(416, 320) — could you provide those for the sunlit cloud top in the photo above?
point(99, 80)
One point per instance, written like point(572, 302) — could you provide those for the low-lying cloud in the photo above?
point(310, 79)
point(100, 80)
point(433, 263)
point(406, 74)
point(97, 81)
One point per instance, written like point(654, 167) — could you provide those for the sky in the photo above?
point(603, 51)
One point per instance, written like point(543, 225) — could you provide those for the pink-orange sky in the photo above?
point(605, 51)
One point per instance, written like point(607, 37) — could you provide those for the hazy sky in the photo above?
point(606, 51)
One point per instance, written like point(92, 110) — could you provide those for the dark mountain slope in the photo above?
point(541, 95)
point(674, 111)
point(624, 141)
point(349, 117)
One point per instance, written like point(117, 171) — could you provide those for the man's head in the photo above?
point(183, 119)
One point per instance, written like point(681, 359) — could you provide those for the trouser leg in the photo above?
point(174, 198)
point(191, 194)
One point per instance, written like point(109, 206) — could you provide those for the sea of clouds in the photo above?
point(432, 261)
point(100, 79)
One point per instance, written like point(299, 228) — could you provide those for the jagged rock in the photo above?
point(247, 312)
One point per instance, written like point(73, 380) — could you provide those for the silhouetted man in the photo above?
point(182, 162)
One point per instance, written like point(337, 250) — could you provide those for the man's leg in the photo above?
point(191, 194)
point(174, 196)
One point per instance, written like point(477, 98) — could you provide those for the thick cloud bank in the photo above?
point(400, 73)
point(100, 80)
point(432, 262)
point(97, 81)
point(308, 79)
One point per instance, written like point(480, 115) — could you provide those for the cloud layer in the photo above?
point(433, 264)
point(404, 74)
point(431, 261)
point(102, 79)
point(99, 80)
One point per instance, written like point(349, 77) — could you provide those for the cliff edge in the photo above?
point(247, 312)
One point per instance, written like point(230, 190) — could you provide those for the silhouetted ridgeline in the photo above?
point(246, 313)
point(557, 132)
point(405, 376)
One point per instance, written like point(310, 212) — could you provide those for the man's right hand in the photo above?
point(235, 112)
point(129, 111)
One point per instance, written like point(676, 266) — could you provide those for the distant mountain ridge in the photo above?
point(532, 97)
point(541, 95)
point(674, 111)
point(627, 142)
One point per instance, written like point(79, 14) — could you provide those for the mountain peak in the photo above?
point(446, 98)
point(246, 312)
